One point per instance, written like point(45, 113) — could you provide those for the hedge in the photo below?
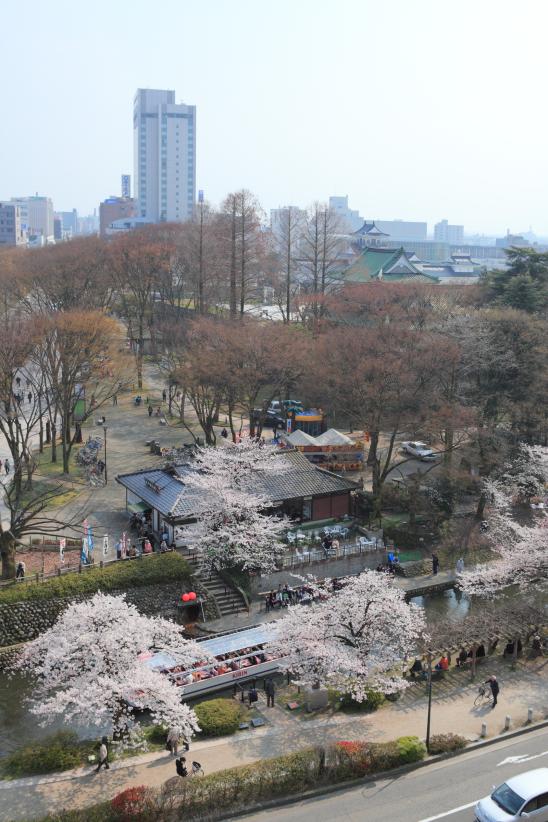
point(119, 575)
point(373, 700)
point(218, 717)
point(445, 743)
point(236, 789)
point(59, 752)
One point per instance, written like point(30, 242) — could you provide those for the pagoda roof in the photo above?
point(389, 264)
point(371, 230)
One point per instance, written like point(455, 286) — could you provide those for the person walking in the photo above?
point(103, 755)
point(20, 572)
point(150, 410)
point(495, 689)
point(460, 565)
point(270, 690)
point(435, 564)
point(173, 741)
point(7, 466)
point(164, 395)
point(115, 399)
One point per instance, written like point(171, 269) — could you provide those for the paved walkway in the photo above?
point(452, 710)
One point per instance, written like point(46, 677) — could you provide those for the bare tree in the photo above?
point(287, 238)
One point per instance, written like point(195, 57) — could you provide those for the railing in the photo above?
point(319, 555)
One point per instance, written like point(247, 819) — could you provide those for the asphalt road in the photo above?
point(447, 790)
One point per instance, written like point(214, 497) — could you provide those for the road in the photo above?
point(447, 790)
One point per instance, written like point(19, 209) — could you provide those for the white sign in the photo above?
point(105, 545)
point(62, 546)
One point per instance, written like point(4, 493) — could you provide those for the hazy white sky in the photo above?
point(417, 109)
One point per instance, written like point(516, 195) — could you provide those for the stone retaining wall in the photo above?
point(22, 621)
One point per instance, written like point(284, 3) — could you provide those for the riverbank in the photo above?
point(285, 731)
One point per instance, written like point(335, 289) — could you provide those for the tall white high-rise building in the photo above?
point(36, 216)
point(164, 150)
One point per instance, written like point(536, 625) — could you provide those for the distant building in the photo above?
point(126, 224)
point(88, 224)
point(517, 240)
point(36, 217)
point(427, 250)
point(403, 229)
point(70, 222)
point(126, 186)
point(57, 228)
point(112, 209)
point(446, 233)
point(279, 217)
point(164, 140)
point(11, 231)
point(351, 220)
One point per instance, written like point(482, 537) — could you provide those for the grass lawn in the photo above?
point(47, 468)
point(66, 494)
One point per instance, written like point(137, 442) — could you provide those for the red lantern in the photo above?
point(192, 595)
point(185, 597)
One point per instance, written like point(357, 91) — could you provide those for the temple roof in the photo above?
point(387, 264)
point(371, 230)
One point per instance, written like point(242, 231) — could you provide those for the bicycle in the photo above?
point(484, 697)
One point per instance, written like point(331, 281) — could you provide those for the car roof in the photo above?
point(530, 783)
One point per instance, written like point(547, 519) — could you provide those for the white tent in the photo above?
point(333, 437)
point(300, 438)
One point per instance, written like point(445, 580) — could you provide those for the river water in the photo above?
point(19, 727)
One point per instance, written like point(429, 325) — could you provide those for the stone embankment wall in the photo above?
point(22, 621)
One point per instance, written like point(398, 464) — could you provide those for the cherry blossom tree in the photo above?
point(354, 641)
point(234, 527)
point(518, 533)
point(87, 665)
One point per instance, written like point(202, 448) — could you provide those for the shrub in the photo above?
point(411, 749)
point(444, 743)
point(155, 734)
point(133, 803)
point(59, 752)
point(218, 716)
point(117, 576)
point(374, 700)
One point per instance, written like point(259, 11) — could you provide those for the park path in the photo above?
point(452, 711)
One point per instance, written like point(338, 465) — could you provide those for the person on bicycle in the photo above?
point(494, 685)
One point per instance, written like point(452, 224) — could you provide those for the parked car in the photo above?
point(419, 450)
point(521, 797)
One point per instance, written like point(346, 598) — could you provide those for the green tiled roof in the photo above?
point(370, 262)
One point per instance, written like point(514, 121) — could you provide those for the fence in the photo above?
point(319, 555)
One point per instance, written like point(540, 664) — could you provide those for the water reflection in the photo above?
point(453, 605)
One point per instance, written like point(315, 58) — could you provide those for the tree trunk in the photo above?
point(7, 553)
point(139, 355)
point(233, 261)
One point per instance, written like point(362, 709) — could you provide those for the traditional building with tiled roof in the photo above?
point(388, 264)
point(369, 235)
point(305, 492)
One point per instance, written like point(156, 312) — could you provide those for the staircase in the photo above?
point(228, 600)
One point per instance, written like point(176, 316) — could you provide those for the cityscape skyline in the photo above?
point(401, 125)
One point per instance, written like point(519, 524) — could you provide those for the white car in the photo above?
point(419, 450)
point(521, 797)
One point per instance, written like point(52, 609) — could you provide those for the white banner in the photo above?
point(62, 546)
point(105, 545)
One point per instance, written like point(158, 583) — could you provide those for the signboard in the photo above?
point(62, 546)
point(105, 545)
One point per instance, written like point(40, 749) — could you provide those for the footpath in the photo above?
point(452, 711)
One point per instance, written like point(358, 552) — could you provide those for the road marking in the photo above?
point(523, 758)
point(451, 812)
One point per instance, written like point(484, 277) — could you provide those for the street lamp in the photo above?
point(429, 686)
point(105, 429)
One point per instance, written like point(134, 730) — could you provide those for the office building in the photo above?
point(11, 231)
point(57, 228)
point(403, 229)
point(69, 220)
point(126, 186)
point(114, 208)
point(36, 217)
point(164, 145)
point(351, 220)
point(446, 233)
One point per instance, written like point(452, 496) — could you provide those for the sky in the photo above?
point(417, 109)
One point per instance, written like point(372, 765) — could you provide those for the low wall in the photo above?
point(22, 621)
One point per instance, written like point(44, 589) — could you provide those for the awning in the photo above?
point(138, 507)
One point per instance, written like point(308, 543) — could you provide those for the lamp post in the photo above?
point(429, 700)
point(105, 429)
